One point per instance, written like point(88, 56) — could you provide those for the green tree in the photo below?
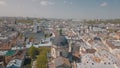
point(32, 52)
point(42, 58)
point(41, 61)
point(60, 32)
point(46, 35)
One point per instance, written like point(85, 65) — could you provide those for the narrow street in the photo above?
point(34, 64)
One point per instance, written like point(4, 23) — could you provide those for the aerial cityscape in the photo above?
point(59, 34)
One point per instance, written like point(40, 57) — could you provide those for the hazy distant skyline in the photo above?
point(80, 9)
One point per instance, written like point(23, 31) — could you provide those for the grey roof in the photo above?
point(94, 65)
point(16, 63)
point(37, 36)
point(60, 63)
point(60, 41)
point(63, 66)
point(75, 48)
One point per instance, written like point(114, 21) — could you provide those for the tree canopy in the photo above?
point(32, 52)
point(42, 58)
point(60, 32)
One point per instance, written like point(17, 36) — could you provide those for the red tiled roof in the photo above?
point(5, 47)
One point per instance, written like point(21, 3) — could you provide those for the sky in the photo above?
point(77, 9)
